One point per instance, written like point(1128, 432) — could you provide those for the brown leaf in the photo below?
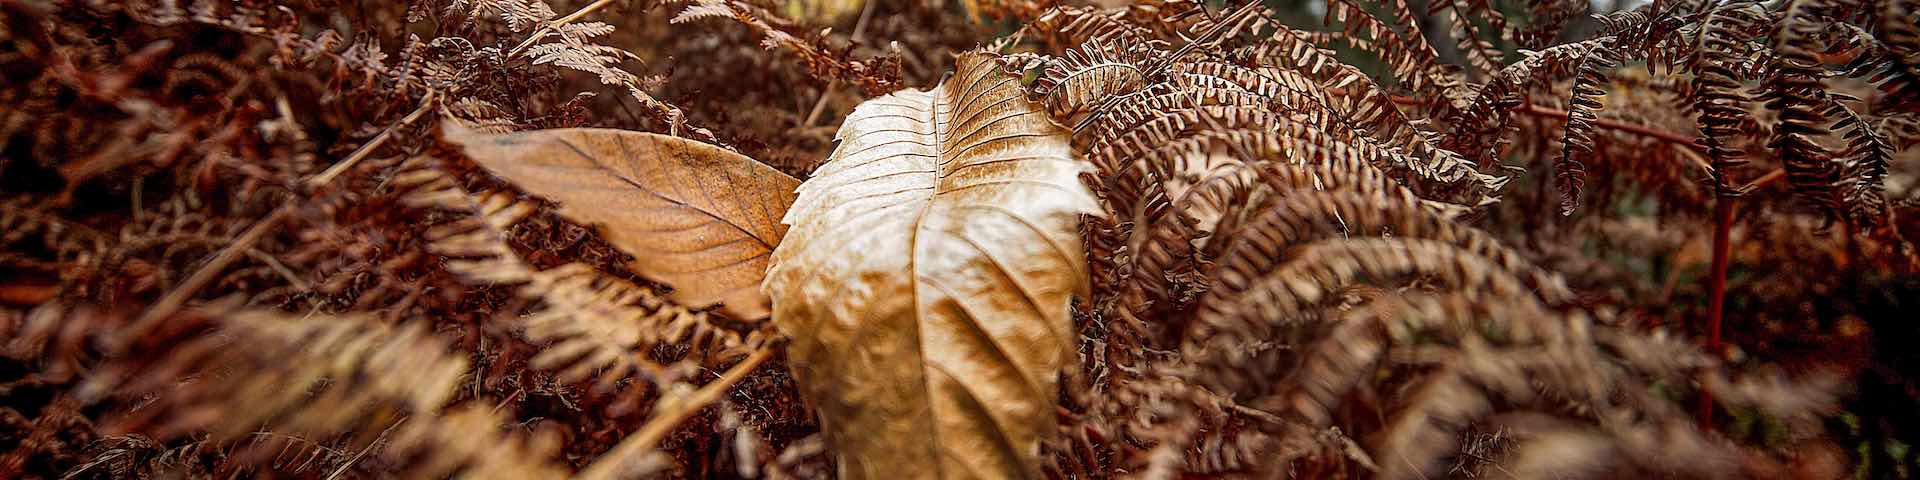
point(694, 216)
point(927, 280)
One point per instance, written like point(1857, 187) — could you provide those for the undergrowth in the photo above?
point(1465, 238)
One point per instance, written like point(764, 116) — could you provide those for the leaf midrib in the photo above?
point(618, 174)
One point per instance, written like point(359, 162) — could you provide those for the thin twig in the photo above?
point(178, 296)
point(673, 410)
point(363, 452)
point(361, 153)
point(1764, 180)
point(555, 25)
point(860, 26)
point(819, 105)
point(277, 267)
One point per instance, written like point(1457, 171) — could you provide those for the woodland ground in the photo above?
point(1463, 239)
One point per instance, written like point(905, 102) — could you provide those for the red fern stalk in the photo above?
point(1717, 296)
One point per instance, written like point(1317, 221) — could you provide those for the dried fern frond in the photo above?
point(566, 43)
point(1160, 269)
point(471, 442)
point(1483, 121)
point(1305, 216)
point(312, 375)
point(1409, 58)
point(598, 324)
point(1718, 97)
point(1147, 24)
point(1095, 71)
point(1794, 90)
point(474, 245)
point(520, 15)
point(1865, 168)
point(1371, 110)
point(1570, 170)
point(1217, 199)
point(1472, 380)
point(1334, 171)
point(1260, 305)
point(1894, 63)
point(874, 75)
point(1177, 126)
point(1481, 53)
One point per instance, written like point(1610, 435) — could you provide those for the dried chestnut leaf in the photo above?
point(694, 216)
point(927, 280)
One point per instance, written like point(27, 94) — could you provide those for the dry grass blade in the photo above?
point(927, 277)
point(694, 216)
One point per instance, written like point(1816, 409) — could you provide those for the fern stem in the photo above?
point(1717, 296)
point(1717, 290)
point(1555, 113)
point(1609, 124)
point(612, 464)
point(27, 294)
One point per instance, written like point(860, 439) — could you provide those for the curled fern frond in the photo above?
point(21, 221)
